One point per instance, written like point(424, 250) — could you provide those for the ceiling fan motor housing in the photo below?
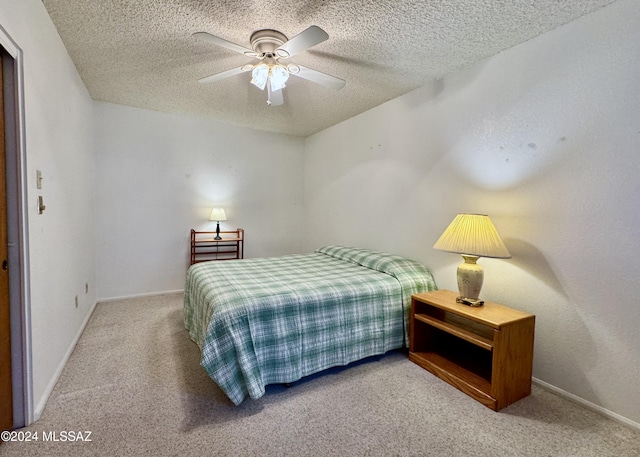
point(266, 41)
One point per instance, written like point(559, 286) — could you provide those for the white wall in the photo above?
point(543, 138)
point(159, 175)
point(59, 142)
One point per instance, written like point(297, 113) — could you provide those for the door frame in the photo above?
point(17, 225)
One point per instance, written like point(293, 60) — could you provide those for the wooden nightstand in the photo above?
point(486, 352)
point(205, 247)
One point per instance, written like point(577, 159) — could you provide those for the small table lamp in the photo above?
point(473, 236)
point(217, 214)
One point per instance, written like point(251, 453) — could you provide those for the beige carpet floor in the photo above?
point(134, 381)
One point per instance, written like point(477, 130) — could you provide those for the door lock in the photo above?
point(41, 206)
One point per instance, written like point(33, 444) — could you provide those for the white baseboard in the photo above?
point(47, 393)
point(148, 294)
point(587, 404)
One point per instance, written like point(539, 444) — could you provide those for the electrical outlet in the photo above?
point(76, 301)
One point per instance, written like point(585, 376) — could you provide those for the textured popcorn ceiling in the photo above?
point(141, 53)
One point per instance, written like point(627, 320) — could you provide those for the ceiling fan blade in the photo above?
point(302, 41)
point(317, 77)
point(225, 74)
point(274, 97)
point(224, 43)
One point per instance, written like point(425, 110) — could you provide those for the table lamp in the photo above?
point(473, 236)
point(217, 214)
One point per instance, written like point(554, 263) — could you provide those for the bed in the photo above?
point(275, 320)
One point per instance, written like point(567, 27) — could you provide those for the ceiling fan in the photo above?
point(271, 47)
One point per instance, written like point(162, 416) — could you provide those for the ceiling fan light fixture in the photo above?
point(260, 75)
point(278, 77)
point(275, 75)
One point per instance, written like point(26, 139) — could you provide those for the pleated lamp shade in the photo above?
point(472, 234)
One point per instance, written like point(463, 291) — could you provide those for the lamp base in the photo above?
point(474, 302)
point(470, 278)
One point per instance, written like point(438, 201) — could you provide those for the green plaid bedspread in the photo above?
point(275, 320)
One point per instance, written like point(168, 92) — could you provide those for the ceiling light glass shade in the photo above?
point(260, 75)
point(217, 214)
point(472, 234)
point(276, 75)
point(279, 76)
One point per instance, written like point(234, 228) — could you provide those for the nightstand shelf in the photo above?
point(486, 352)
point(204, 246)
point(466, 335)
